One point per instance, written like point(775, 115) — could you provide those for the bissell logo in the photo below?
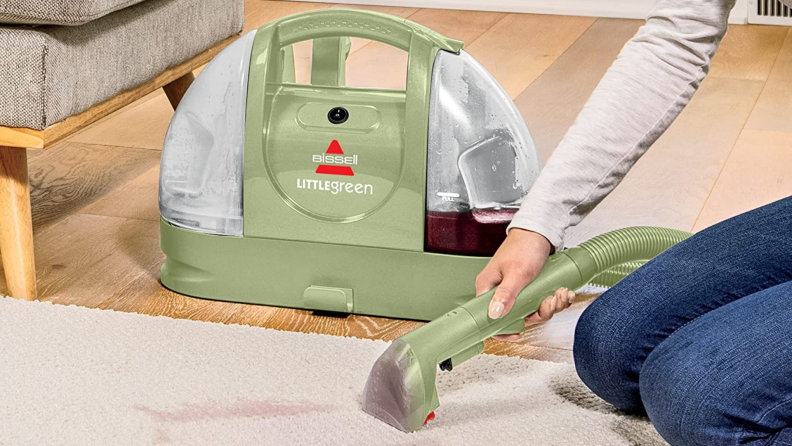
point(333, 162)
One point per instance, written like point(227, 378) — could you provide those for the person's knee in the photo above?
point(680, 402)
point(605, 353)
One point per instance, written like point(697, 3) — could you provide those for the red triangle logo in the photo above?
point(335, 148)
point(326, 169)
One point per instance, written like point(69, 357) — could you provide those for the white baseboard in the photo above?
point(627, 9)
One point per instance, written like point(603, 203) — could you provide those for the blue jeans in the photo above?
point(700, 338)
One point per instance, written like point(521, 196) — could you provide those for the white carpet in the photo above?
point(80, 376)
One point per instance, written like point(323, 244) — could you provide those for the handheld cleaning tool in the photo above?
point(401, 387)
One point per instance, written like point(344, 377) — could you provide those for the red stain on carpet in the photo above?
point(213, 411)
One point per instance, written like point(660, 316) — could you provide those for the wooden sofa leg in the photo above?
point(16, 225)
point(176, 89)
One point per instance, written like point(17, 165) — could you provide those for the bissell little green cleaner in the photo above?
point(357, 200)
point(328, 197)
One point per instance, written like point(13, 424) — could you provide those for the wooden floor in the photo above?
point(95, 195)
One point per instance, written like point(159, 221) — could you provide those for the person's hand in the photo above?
point(518, 261)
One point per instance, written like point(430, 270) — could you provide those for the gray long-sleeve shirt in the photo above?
point(652, 80)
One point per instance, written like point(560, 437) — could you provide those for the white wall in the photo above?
point(633, 9)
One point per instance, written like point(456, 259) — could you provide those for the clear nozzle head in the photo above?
point(394, 391)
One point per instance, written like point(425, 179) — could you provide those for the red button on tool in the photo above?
point(431, 416)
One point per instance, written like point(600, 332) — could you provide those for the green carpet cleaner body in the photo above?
point(375, 201)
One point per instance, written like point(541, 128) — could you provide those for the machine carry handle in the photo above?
point(370, 25)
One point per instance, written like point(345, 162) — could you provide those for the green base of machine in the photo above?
point(316, 276)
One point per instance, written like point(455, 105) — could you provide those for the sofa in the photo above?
point(64, 64)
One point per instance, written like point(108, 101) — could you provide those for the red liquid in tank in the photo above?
point(477, 233)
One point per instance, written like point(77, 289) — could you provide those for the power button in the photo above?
point(338, 115)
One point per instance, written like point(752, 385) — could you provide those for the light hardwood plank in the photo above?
point(146, 295)
point(76, 269)
point(756, 173)
point(139, 196)
point(520, 47)
point(124, 109)
point(552, 102)
point(748, 52)
point(72, 176)
point(774, 107)
point(466, 26)
point(670, 184)
point(141, 126)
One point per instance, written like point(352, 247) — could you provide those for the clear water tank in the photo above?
point(201, 169)
point(481, 161)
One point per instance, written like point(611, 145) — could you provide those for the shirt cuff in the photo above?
point(553, 232)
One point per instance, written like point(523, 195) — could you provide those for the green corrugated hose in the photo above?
point(615, 275)
point(401, 387)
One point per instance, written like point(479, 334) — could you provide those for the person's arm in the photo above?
point(654, 77)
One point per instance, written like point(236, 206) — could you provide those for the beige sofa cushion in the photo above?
point(58, 12)
point(49, 73)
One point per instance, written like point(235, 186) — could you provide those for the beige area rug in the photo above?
point(79, 376)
